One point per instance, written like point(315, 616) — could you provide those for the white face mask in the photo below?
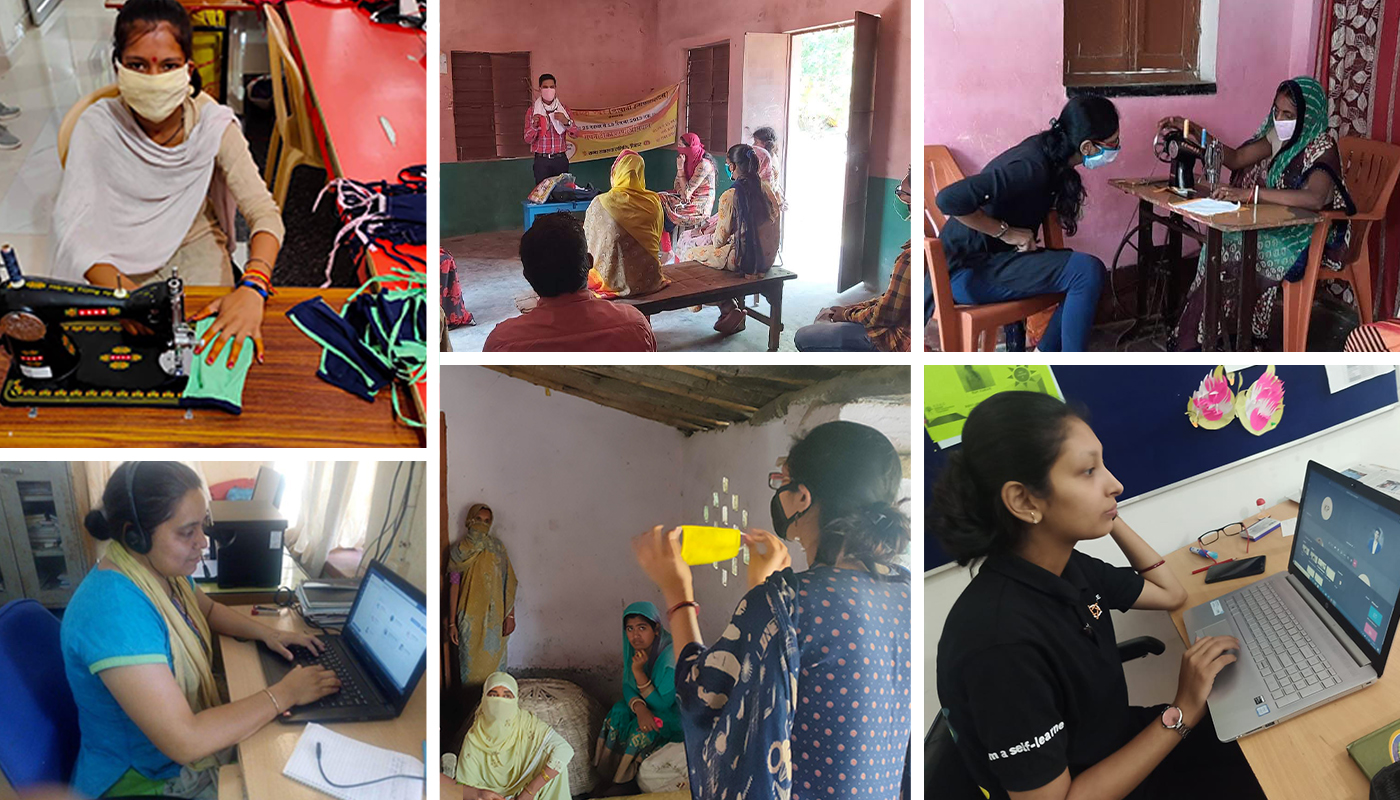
point(1285, 128)
point(154, 97)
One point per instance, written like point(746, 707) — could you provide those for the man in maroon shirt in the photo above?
point(548, 124)
point(568, 318)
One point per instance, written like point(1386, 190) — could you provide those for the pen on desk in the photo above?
point(1204, 553)
point(1203, 569)
point(266, 610)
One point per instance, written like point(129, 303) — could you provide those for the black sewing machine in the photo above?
point(74, 344)
point(1173, 147)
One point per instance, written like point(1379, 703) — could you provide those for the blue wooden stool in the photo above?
point(533, 210)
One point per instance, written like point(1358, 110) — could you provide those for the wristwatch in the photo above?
point(1174, 720)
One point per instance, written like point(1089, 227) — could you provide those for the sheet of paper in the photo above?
point(1206, 207)
point(1289, 525)
point(1345, 376)
point(348, 761)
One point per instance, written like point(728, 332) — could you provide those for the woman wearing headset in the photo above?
point(137, 641)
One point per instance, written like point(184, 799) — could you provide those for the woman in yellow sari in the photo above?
point(137, 640)
point(509, 754)
point(623, 226)
point(482, 598)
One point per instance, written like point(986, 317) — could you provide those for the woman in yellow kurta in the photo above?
point(509, 752)
point(623, 226)
point(482, 598)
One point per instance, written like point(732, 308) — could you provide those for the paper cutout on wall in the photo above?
point(1261, 407)
point(1212, 406)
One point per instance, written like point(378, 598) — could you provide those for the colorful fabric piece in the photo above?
point(1282, 252)
point(1377, 337)
point(505, 753)
point(485, 597)
point(217, 385)
point(454, 312)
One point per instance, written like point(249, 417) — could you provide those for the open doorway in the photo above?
point(819, 99)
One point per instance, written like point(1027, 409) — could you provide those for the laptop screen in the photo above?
point(1348, 548)
point(389, 625)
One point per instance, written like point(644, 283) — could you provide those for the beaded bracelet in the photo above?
point(264, 293)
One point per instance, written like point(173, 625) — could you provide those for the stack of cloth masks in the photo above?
point(376, 337)
point(384, 216)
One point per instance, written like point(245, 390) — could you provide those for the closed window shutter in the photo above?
point(1132, 42)
point(707, 95)
point(490, 92)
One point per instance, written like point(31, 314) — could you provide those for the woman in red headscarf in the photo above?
point(692, 198)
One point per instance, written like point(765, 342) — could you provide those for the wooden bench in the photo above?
point(694, 284)
point(533, 210)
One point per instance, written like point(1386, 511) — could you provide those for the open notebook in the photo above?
point(347, 761)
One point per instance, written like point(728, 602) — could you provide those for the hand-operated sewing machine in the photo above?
point(1182, 149)
point(74, 344)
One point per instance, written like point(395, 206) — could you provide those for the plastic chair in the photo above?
point(1370, 169)
point(70, 119)
point(291, 128)
point(39, 739)
point(970, 328)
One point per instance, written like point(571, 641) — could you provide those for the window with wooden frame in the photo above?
point(707, 95)
point(490, 92)
point(1132, 43)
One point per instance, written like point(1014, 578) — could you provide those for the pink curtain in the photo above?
point(1358, 63)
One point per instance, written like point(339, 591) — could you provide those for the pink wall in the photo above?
point(599, 56)
point(992, 77)
point(686, 25)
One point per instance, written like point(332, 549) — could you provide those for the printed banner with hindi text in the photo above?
point(643, 125)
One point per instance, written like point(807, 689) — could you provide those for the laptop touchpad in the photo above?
point(1226, 677)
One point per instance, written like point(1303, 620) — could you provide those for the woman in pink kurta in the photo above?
point(692, 198)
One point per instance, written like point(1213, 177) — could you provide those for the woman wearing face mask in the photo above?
point(991, 239)
point(509, 754)
point(692, 197)
point(646, 716)
point(153, 179)
point(138, 639)
point(746, 231)
point(1028, 652)
point(806, 693)
point(482, 598)
point(1292, 160)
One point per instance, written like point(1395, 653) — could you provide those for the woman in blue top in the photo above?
point(646, 717)
point(806, 692)
point(137, 639)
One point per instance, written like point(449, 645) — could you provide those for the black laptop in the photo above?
point(379, 655)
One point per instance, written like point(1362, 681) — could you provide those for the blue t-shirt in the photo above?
point(111, 623)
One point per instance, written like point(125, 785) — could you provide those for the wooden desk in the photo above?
point(284, 403)
point(1152, 194)
point(694, 284)
point(263, 755)
point(1305, 757)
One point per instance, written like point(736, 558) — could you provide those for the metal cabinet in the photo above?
point(41, 553)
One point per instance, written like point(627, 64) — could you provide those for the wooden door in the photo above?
point(858, 132)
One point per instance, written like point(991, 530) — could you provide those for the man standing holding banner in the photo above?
point(547, 125)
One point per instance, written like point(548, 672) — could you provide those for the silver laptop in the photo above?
point(1321, 630)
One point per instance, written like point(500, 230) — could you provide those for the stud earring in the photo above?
point(1035, 518)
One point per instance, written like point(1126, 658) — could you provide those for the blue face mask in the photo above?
point(1104, 157)
point(730, 170)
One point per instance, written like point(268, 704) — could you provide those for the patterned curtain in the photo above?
point(1358, 62)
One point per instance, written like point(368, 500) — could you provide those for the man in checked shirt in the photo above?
point(547, 125)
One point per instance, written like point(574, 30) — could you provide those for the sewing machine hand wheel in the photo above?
point(22, 326)
point(1164, 145)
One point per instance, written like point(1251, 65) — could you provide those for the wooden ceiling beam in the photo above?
point(679, 391)
point(633, 407)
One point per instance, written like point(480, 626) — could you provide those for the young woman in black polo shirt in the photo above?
point(992, 238)
point(1028, 669)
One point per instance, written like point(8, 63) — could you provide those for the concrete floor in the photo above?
point(489, 269)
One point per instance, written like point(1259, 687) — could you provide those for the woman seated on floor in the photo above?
point(509, 754)
point(692, 197)
point(1292, 160)
point(153, 179)
point(755, 703)
point(991, 238)
point(646, 716)
point(623, 226)
point(746, 234)
point(137, 640)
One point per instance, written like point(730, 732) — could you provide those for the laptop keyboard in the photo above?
point(1292, 665)
point(349, 694)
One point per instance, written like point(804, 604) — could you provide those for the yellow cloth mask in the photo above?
point(154, 97)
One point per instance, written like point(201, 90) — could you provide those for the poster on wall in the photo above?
point(646, 124)
point(952, 391)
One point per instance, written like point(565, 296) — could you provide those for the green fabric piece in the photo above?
point(217, 385)
point(134, 783)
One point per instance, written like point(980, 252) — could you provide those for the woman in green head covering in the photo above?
point(1292, 160)
point(646, 717)
point(509, 754)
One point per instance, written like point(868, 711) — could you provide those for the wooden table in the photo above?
point(262, 756)
point(1152, 194)
point(284, 403)
point(694, 284)
point(1305, 757)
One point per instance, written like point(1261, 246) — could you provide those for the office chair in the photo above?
point(39, 740)
point(946, 775)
